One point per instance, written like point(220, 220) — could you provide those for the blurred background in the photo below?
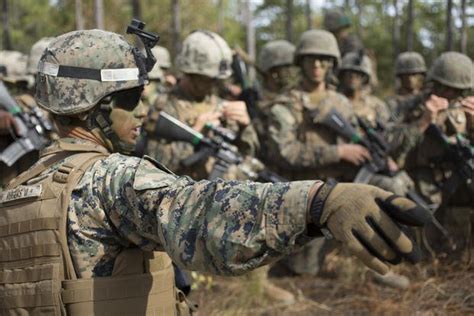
point(386, 27)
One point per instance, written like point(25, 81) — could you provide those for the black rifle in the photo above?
point(460, 154)
point(375, 144)
point(169, 128)
point(32, 129)
point(249, 93)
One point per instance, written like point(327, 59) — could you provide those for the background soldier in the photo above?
point(122, 215)
point(275, 64)
point(204, 59)
point(451, 79)
point(355, 73)
point(410, 70)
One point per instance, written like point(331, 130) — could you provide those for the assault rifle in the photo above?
point(249, 94)
point(377, 147)
point(32, 129)
point(169, 128)
point(460, 154)
point(374, 143)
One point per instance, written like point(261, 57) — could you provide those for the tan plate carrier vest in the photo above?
point(37, 276)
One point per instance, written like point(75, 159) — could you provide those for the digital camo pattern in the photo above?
point(371, 109)
point(95, 49)
point(205, 53)
point(300, 145)
point(221, 227)
point(181, 107)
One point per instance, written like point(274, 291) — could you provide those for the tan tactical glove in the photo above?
point(370, 222)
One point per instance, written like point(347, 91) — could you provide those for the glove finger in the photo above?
point(404, 210)
point(374, 243)
point(399, 238)
point(358, 250)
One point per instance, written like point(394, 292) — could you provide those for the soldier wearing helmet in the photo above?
point(91, 229)
point(205, 59)
point(354, 75)
point(297, 140)
point(410, 70)
point(275, 64)
point(449, 104)
point(294, 136)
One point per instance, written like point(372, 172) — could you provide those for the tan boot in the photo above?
point(392, 279)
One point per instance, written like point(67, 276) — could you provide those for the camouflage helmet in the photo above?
point(162, 56)
point(276, 53)
point(356, 62)
point(14, 64)
point(335, 20)
point(454, 70)
point(80, 68)
point(205, 53)
point(317, 42)
point(35, 54)
point(410, 63)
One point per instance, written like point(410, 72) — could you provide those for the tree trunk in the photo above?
point(289, 20)
point(175, 26)
point(449, 25)
point(309, 18)
point(99, 14)
point(463, 27)
point(220, 16)
point(136, 9)
point(410, 25)
point(7, 43)
point(250, 36)
point(396, 31)
point(79, 15)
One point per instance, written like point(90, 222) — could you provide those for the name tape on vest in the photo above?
point(21, 192)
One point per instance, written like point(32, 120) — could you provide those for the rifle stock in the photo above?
point(169, 128)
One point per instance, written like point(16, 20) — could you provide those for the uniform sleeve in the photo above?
point(290, 151)
point(221, 227)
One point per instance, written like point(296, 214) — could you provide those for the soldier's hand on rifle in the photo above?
point(433, 106)
point(353, 153)
point(7, 123)
point(207, 118)
point(392, 165)
point(370, 222)
point(236, 111)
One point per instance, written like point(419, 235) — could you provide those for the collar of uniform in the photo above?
point(73, 144)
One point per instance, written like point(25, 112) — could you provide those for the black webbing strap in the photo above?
point(79, 73)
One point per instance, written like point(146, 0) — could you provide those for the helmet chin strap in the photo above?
point(100, 119)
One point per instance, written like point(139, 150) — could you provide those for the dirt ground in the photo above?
point(346, 287)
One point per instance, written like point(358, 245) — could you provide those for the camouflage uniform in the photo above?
point(303, 146)
point(120, 202)
point(172, 154)
point(204, 53)
point(456, 71)
point(408, 63)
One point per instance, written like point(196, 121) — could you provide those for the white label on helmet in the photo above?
point(48, 68)
point(123, 74)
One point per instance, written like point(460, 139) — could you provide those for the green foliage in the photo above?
point(372, 19)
